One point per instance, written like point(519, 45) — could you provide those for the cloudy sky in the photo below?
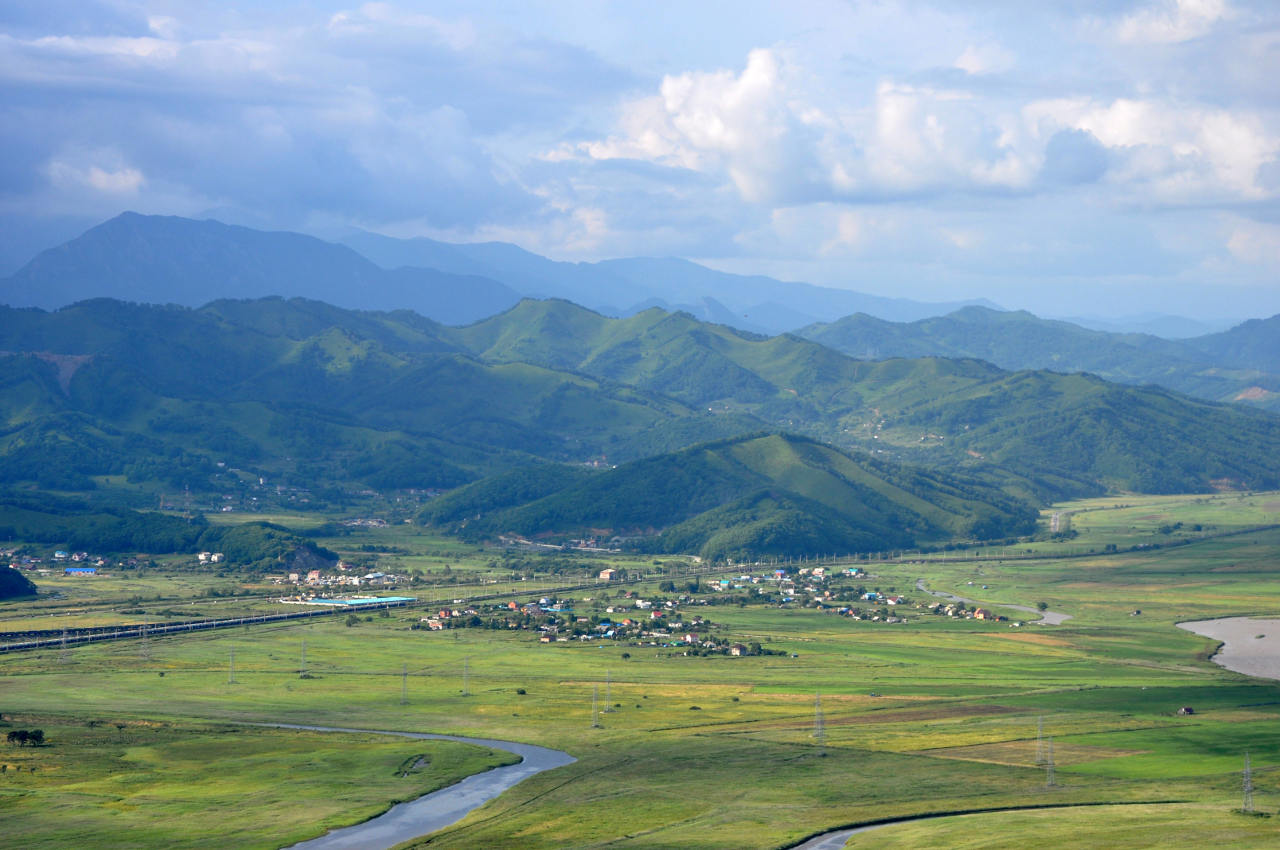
point(1073, 157)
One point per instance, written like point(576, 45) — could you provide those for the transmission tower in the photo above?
point(144, 649)
point(1049, 780)
point(1247, 803)
point(64, 655)
point(231, 669)
point(819, 729)
point(1039, 740)
point(595, 705)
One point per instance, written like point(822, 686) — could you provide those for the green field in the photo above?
point(932, 714)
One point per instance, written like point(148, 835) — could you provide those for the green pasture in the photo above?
point(106, 781)
point(929, 715)
point(1182, 826)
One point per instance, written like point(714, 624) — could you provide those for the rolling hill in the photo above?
point(134, 399)
point(756, 495)
point(1242, 364)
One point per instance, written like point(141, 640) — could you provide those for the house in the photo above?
point(609, 574)
point(983, 614)
point(80, 571)
point(737, 649)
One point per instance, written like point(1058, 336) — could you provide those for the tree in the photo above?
point(36, 737)
point(1042, 606)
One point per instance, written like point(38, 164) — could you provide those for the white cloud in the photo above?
point(113, 179)
point(1172, 21)
point(1170, 152)
point(385, 19)
point(1256, 243)
point(977, 60)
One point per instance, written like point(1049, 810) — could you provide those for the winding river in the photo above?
point(434, 811)
point(1251, 645)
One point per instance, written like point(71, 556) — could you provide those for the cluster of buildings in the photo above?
point(72, 563)
point(345, 577)
point(958, 609)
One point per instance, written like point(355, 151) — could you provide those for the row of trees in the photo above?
point(23, 737)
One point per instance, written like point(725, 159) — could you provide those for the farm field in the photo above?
point(932, 714)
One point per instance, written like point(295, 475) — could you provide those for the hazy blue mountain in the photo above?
point(165, 259)
point(1213, 367)
point(1254, 344)
point(1154, 324)
point(751, 302)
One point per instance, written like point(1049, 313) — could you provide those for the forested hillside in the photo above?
point(133, 400)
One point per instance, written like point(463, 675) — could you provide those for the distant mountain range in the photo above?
point(1238, 365)
point(169, 260)
point(157, 259)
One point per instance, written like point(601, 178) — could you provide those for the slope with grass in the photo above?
point(1218, 367)
point(761, 495)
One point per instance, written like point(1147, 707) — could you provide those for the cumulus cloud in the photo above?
point(913, 135)
point(1172, 21)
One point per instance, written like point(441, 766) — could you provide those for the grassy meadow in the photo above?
point(928, 715)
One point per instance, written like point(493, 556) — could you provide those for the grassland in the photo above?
point(930, 715)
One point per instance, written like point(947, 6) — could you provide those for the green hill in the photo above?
point(135, 399)
point(762, 495)
point(1042, 433)
point(1219, 367)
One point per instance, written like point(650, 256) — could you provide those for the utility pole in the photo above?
point(1039, 740)
point(1049, 780)
point(608, 692)
point(1247, 803)
point(819, 729)
point(302, 671)
point(466, 676)
point(404, 685)
point(595, 701)
point(231, 670)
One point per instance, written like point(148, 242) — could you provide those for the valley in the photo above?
point(930, 713)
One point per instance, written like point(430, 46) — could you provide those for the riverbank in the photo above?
point(1250, 645)
point(432, 812)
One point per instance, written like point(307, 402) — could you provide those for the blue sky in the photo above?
point(1065, 156)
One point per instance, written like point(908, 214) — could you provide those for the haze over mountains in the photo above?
point(165, 259)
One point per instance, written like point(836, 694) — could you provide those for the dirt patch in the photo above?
point(1253, 394)
point(1039, 639)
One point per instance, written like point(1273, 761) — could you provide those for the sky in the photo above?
point(1071, 157)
